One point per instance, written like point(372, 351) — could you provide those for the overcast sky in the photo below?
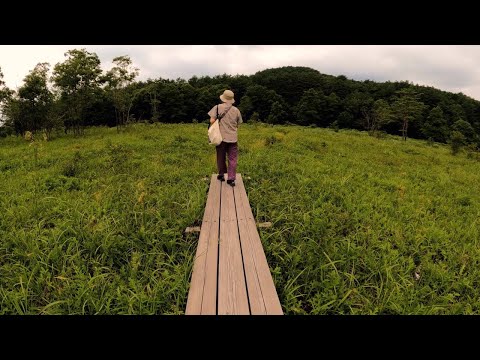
point(450, 68)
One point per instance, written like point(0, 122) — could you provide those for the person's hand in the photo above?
point(212, 120)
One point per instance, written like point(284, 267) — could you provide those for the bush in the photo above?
point(473, 152)
point(6, 131)
point(334, 126)
point(72, 168)
point(457, 141)
point(254, 118)
point(276, 138)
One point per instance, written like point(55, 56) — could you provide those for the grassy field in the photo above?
point(361, 225)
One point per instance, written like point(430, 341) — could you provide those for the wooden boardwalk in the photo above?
point(230, 273)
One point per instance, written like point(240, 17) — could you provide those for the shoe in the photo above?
point(231, 182)
point(221, 177)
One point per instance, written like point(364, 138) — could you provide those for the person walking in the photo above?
point(229, 119)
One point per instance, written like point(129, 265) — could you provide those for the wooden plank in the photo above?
point(206, 256)
point(255, 297)
point(209, 304)
point(232, 291)
point(254, 249)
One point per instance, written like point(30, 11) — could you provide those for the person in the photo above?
point(230, 118)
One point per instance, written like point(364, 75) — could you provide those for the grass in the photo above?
point(361, 225)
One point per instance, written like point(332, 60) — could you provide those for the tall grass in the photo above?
point(361, 225)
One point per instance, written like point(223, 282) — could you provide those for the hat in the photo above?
point(227, 97)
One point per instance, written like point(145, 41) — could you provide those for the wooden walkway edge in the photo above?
point(230, 273)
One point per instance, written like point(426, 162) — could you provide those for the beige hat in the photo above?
point(227, 97)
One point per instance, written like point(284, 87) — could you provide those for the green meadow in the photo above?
point(361, 224)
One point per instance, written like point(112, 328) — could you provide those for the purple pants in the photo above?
point(232, 150)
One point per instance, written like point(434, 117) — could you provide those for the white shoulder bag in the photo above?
point(214, 134)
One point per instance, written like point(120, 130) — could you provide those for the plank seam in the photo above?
point(241, 254)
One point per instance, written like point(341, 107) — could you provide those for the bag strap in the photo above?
point(223, 115)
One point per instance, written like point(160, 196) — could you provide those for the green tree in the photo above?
point(435, 127)
point(457, 141)
point(262, 99)
point(466, 129)
point(5, 96)
point(407, 108)
point(290, 82)
point(330, 111)
point(119, 80)
point(310, 107)
point(379, 115)
point(54, 118)
point(35, 99)
point(152, 91)
point(277, 113)
point(77, 79)
point(207, 97)
point(358, 104)
point(345, 119)
point(246, 107)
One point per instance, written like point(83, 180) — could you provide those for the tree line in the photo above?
point(77, 93)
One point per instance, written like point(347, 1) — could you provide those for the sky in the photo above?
point(453, 68)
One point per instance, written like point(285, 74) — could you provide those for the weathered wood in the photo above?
point(209, 305)
point(230, 274)
point(265, 224)
point(232, 291)
point(206, 255)
point(255, 251)
point(257, 305)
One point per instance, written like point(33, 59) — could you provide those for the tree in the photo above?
point(262, 100)
point(77, 79)
point(435, 127)
point(119, 79)
point(466, 129)
point(330, 111)
point(246, 107)
point(407, 108)
point(277, 113)
point(291, 82)
point(358, 104)
point(5, 95)
point(310, 107)
point(35, 100)
point(207, 97)
point(378, 116)
point(54, 118)
point(345, 119)
point(457, 141)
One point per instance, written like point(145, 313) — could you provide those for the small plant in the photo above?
point(334, 126)
point(457, 141)
point(273, 139)
point(119, 157)
point(380, 134)
point(254, 118)
point(473, 151)
point(72, 168)
point(28, 136)
point(465, 201)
